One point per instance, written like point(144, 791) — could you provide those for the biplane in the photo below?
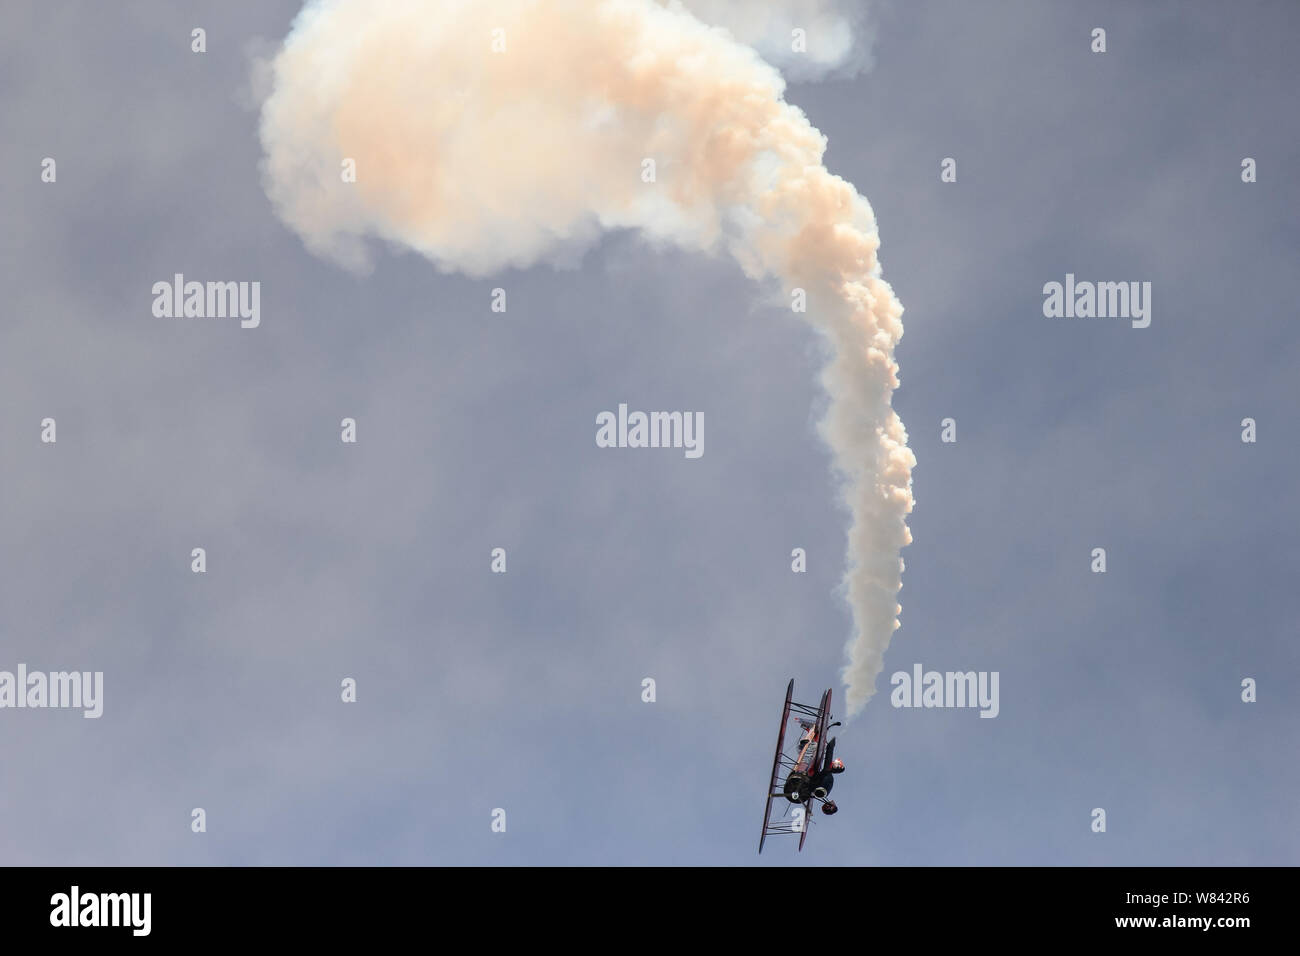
point(803, 775)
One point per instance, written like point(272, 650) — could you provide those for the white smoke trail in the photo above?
point(836, 38)
point(495, 133)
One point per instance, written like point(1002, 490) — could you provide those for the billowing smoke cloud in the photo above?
point(496, 133)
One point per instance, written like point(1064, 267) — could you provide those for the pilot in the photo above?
point(826, 779)
point(836, 766)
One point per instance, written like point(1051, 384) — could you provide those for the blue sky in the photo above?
point(476, 430)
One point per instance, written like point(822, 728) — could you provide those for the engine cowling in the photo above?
point(796, 787)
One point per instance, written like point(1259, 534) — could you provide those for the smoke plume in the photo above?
point(495, 133)
point(836, 37)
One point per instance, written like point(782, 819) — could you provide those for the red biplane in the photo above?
point(802, 777)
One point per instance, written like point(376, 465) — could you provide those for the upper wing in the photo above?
point(776, 765)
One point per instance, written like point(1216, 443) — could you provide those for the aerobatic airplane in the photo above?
point(802, 777)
